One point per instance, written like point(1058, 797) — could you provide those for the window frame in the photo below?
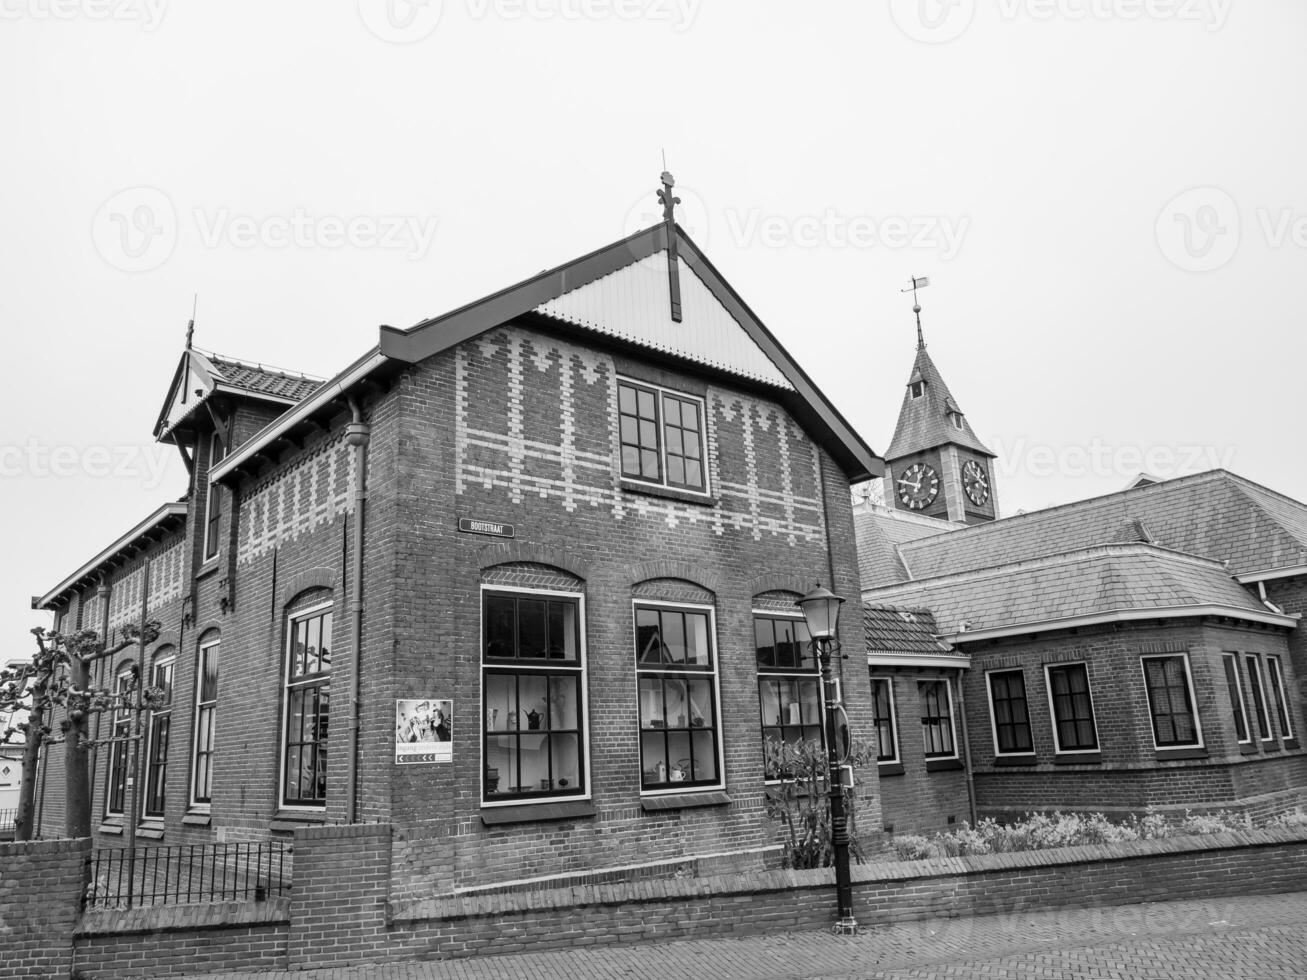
point(1275, 674)
point(896, 758)
point(925, 724)
point(1052, 707)
point(193, 800)
point(713, 673)
point(516, 665)
point(320, 679)
point(1260, 706)
point(1241, 718)
point(168, 660)
point(916, 388)
point(999, 753)
point(1190, 693)
point(661, 393)
point(212, 545)
point(799, 673)
point(118, 765)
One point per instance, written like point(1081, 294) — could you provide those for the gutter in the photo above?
point(1268, 574)
point(1121, 616)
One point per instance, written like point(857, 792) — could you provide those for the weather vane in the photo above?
point(665, 196)
point(669, 201)
point(918, 282)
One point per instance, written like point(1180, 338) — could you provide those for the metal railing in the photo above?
point(234, 872)
point(8, 817)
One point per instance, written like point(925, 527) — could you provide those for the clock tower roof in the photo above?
point(930, 416)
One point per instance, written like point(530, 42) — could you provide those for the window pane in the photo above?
point(630, 430)
point(672, 408)
point(653, 758)
point(649, 464)
point(697, 639)
point(690, 416)
point(501, 702)
point(673, 632)
point(563, 700)
point(648, 435)
point(631, 461)
point(312, 642)
point(646, 403)
point(764, 641)
point(533, 710)
point(562, 631)
point(769, 696)
point(675, 470)
point(500, 630)
point(626, 399)
point(1236, 697)
point(648, 637)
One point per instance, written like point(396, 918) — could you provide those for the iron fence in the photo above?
point(232, 872)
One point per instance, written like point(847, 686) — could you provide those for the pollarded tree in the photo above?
point(59, 676)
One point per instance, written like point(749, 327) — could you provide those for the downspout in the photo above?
point(966, 750)
point(104, 594)
point(357, 435)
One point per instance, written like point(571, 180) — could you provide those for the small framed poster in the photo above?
point(424, 729)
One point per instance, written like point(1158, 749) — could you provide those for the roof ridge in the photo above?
point(1265, 489)
point(1072, 557)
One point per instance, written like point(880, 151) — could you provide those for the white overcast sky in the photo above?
point(1108, 196)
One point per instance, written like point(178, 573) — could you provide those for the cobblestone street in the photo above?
point(1258, 938)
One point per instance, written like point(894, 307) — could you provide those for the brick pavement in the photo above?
point(1259, 938)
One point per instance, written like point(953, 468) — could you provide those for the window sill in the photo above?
point(530, 812)
point(683, 801)
point(210, 566)
point(1271, 746)
point(943, 765)
point(1025, 759)
point(1247, 749)
point(890, 768)
point(1078, 759)
point(1193, 752)
point(111, 828)
point(1292, 743)
point(153, 831)
point(654, 490)
point(197, 819)
point(289, 820)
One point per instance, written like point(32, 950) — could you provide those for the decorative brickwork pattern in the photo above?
point(312, 492)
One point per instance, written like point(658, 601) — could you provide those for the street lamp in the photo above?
point(821, 612)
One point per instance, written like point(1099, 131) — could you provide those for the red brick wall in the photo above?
point(41, 885)
point(338, 903)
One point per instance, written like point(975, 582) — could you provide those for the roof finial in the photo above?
point(665, 195)
point(673, 266)
point(190, 327)
point(918, 282)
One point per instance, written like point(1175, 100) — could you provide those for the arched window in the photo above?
point(115, 788)
point(206, 708)
point(156, 741)
point(307, 701)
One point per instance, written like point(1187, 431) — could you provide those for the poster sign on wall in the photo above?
point(423, 729)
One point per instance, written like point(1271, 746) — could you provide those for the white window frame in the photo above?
point(216, 455)
point(794, 673)
point(717, 696)
point(897, 758)
point(916, 389)
point(993, 718)
point(1243, 701)
point(111, 770)
point(1274, 669)
point(1193, 702)
point(662, 391)
point(170, 659)
point(1255, 660)
point(291, 618)
point(193, 805)
point(1052, 711)
point(952, 719)
point(583, 708)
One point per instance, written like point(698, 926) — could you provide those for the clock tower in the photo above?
point(935, 465)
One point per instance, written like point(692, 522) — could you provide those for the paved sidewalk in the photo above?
point(1258, 938)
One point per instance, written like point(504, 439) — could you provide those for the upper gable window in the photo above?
point(213, 499)
point(917, 388)
point(662, 436)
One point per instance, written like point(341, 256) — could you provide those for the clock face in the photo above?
point(975, 482)
point(918, 486)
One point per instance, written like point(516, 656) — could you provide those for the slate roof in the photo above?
point(901, 629)
point(261, 380)
point(1215, 514)
point(1094, 581)
point(924, 422)
point(879, 531)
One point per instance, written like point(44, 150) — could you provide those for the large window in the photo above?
point(1072, 707)
point(156, 742)
point(308, 707)
point(937, 719)
point(213, 499)
point(115, 789)
point(1235, 686)
point(1010, 713)
point(1276, 677)
point(882, 702)
point(1258, 693)
point(677, 676)
point(662, 436)
point(206, 707)
point(533, 682)
point(789, 683)
point(1171, 702)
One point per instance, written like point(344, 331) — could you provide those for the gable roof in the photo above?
point(200, 375)
point(614, 292)
point(878, 532)
point(1216, 514)
point(906, 636)
point(1099, 584)
point(924, 421)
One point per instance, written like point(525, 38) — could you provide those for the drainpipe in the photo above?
point(966, 750)
point(357, 435)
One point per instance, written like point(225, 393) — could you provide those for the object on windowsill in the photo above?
point(660, 772)
point(657, 723)
point(546, 784)
point(696, 722)
point(492, 780)
point(533, 719)
point(562, 783)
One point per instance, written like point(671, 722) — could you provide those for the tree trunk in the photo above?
point(77, 773)
point(23, 829)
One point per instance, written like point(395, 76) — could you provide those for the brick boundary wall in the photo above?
point(339, 913)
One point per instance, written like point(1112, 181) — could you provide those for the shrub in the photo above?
point(800, 802)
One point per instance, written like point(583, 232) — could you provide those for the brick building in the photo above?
point(1141, 648)
point(519, 582)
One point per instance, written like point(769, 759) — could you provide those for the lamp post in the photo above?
point(821, 612)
